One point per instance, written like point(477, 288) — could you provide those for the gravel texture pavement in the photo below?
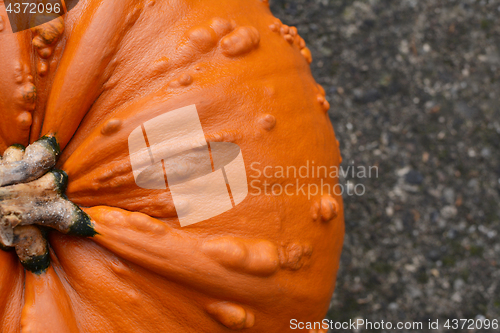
point(414, 88)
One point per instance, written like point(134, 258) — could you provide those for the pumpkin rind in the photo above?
point(117, 64)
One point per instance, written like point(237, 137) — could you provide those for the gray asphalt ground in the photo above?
point(414, 88)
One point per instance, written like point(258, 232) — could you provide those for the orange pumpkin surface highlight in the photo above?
point(92, 76)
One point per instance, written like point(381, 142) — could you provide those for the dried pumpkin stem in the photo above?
point(42, 202)
point(12, 154)
point(30, 196)
point(39, 158)
point(32, 248)
point(29, 241)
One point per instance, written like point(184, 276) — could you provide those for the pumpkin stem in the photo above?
point(42, 202)
point(32, 195)
point(39, 158)
point(32, 248)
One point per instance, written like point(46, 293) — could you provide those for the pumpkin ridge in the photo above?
point(47, 307)
point(17, 90)
point(71, 97)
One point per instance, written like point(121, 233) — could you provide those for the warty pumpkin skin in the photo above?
point(105, 68)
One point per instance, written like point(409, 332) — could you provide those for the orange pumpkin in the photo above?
point(88, 79)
